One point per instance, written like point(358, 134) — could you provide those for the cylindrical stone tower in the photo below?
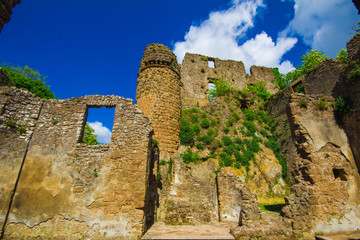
point(158, 96)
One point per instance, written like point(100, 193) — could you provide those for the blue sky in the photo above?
point(92, 47)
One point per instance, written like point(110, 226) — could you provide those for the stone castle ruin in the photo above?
point(55, 187)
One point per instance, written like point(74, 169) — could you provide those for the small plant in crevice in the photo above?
point(95, 173)
point(342, 105)
point(170, 169)
point(321, 105)
point(21, 129)
point(202, 70)
point(354, 74)
point(162, 162)
point(159, 177)
point(10, 123)
point(55, 121)
point(155, 143)
point(303, 103)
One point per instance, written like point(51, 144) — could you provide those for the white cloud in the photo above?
point(324, 25)
point(102, 132)
point(218, 37)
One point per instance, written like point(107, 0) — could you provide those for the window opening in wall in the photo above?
point(99, 122)
point(211, 64)
point(211, 91)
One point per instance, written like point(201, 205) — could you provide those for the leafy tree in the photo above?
point(89, 138)
point(342, 56)
point(31, 79)
point(222, 87)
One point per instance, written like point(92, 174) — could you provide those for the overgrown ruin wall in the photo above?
point(66, 188)
point(196, 74)
point(6, 10)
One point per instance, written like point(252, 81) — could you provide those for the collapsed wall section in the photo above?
point(68, 189)
point(197, 71)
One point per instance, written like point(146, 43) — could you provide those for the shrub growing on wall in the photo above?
point(32, 80)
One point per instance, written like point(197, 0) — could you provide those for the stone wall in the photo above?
point(5, 11)
point(158, 96)
point(351, 90)
point(191, 196)
point(18, 108)
point(326, 181)
point(236, 203)
point(68, 189)
point(322, 79)
point(196, 74)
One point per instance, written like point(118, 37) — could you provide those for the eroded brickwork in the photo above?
point(158, 96)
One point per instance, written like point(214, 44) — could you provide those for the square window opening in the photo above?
point(211, 64)
point(98, 126)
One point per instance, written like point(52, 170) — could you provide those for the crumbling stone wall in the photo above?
point(236, 203)
point(158, 96)
point(68, 189)
point(191, 195)
point(326, 181)
point(5, 11)
point(196, 76)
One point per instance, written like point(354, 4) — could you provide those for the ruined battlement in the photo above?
point(158, 55)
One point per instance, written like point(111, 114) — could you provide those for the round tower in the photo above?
point(158, 96)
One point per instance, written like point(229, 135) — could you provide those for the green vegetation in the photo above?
point(170, 169)
point(55, 121)
point(31, 79)
point(22, 129)
point(303, 103)
point(205, 123)
point(321, 105)
point(342, 56)
point(155, 143)
point(354, 74)
point(95, 173)
point(11, 123)
point(186, 132)
point(242, 133)
point(222, 87)
point(190, 156)
point(342, 106)
point(89, 138)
